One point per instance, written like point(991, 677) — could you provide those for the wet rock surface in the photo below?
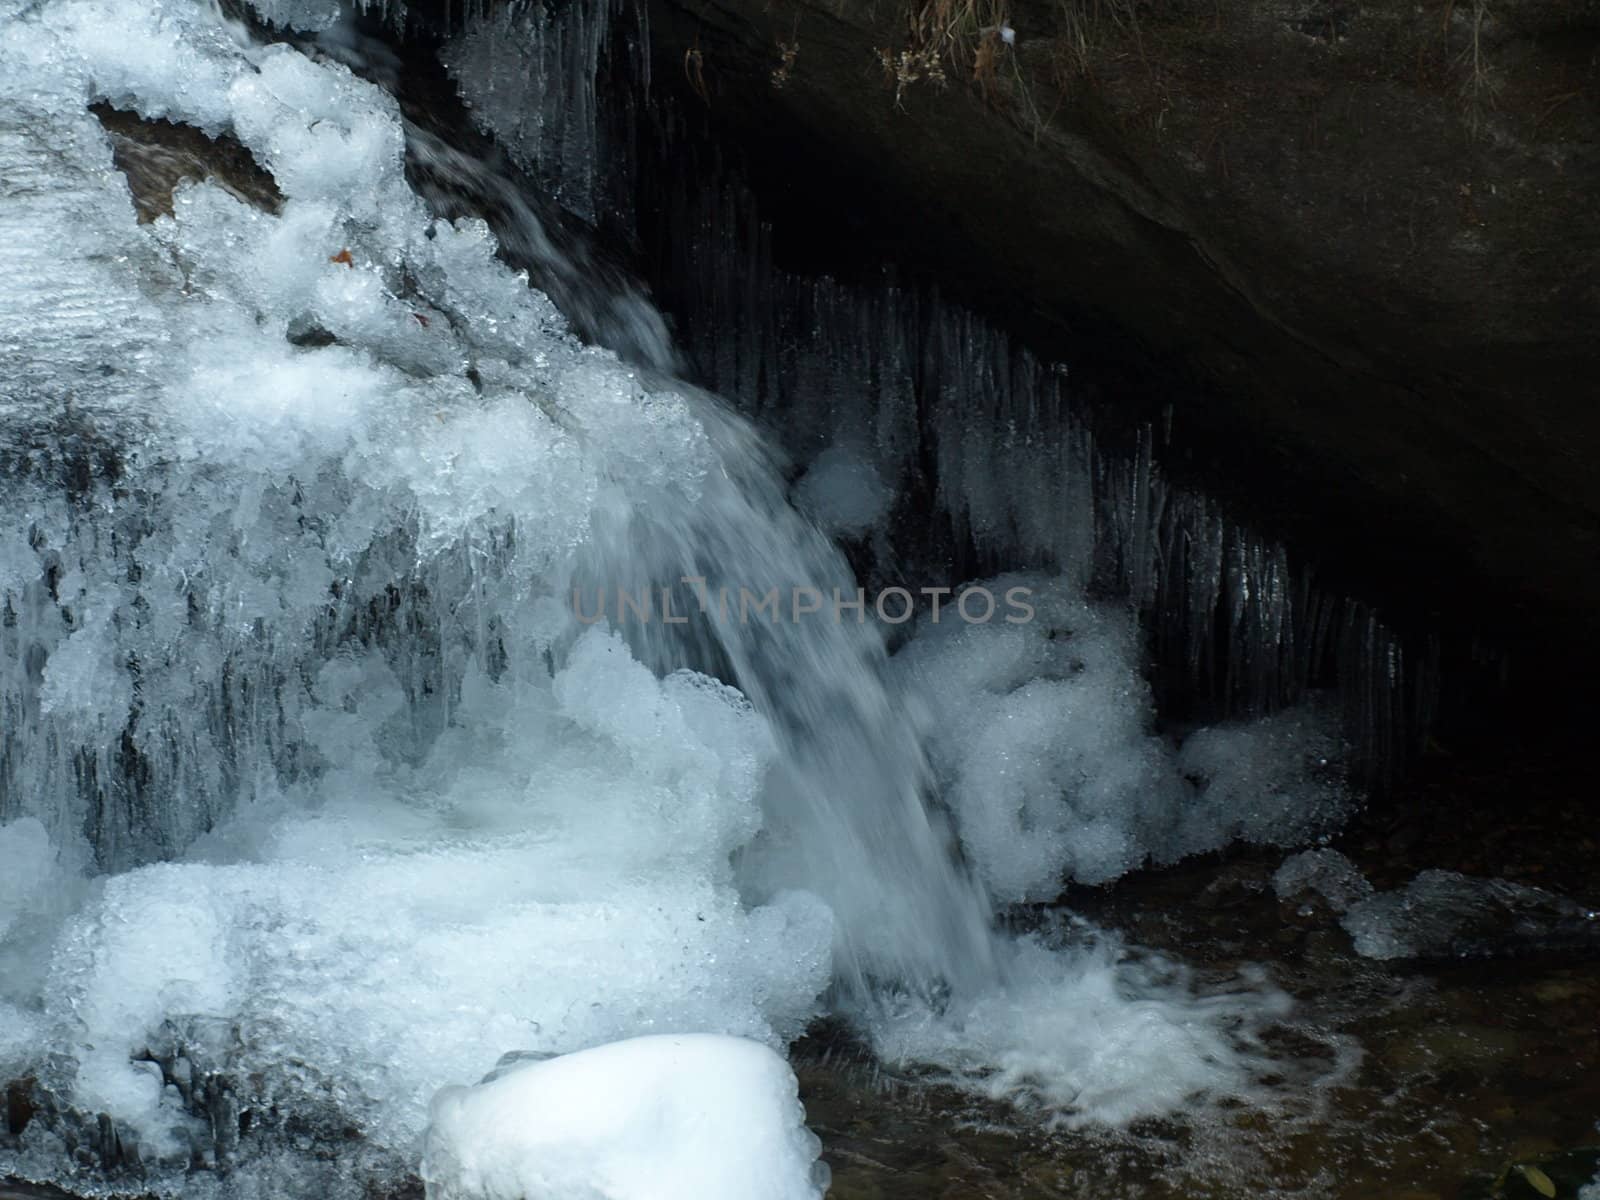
point(1368, 229)
point(156, 156)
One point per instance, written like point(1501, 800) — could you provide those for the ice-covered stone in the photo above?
point(1444, 914)
point(1324, 873)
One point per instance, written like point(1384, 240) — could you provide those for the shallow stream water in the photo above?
point(1467, 1071)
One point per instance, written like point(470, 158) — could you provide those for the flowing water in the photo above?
point(325, 781)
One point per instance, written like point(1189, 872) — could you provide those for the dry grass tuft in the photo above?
point(968, 36)
point(974, 40)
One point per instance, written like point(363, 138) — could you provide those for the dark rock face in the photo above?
point(156, 156)
point(1371, 231)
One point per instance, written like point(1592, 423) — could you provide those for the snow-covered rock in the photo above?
point(691, 1117)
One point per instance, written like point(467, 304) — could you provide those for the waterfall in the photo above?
point(322, 789)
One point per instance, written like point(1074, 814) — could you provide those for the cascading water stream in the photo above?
point(848, 796)
point(847, 800)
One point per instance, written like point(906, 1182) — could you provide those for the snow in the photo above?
point(653, 1118)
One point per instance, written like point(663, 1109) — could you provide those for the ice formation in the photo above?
point(528, 72)
point(317, 796)
point(299, 626)
point(1438, 914)
point(842, 492)
point(27, 870)
point(1003, 452)
point(1277, 780)
point(1323, 873)
point(1041, 733)
point(1443, 914)
point(655, 1118)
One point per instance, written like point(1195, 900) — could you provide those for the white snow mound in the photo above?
point(691, 1117)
